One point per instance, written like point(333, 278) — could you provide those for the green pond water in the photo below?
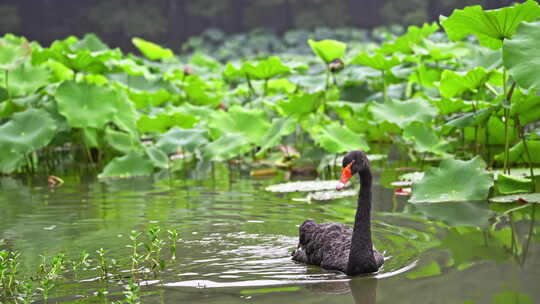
point(236, 239)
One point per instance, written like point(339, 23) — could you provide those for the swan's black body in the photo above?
point(335, 246)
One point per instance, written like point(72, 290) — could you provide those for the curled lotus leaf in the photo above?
point(328, 50)
point(152, 50)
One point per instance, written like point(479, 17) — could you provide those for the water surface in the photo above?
point(236, 239)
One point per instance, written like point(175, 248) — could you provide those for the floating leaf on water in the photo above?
point(454, 180)
point(304, 186)
point(525, 198)
point(413, 177)
point(330, 195)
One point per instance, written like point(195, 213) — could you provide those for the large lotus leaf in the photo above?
point(226, 147)
point(376, 61)
point(86, 105)
point(13, 54)
point(491, 27)
point(404, 112)
point(265, 69)
point(130, 67)
point(425, 76)
point(122, 142)
point(450, 106)
point(335, 138)
point(202, 92)
point(179, 139)
point(509, 184)
point(201, 112)
point(157, 157)
point(454, 180)
point(328, 50)
point(90, 42)
point(518, 155)
point(252, 124)
point(455, 83)
point(526, 106)
point(405, 43)
point(521, 56)
point(300, 104)
point(132, 164)
point(60, 72)
point(424, 139)
point(166, 120)
point(90, 62)
point(473, 119)
point(280, 127)
point(440, 51)
point(25, 79)
point(25, 132)
point(151, 50)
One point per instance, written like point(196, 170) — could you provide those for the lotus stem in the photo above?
point(526, 148)
point(531, 230)
point(506, 119)
point(385, 92)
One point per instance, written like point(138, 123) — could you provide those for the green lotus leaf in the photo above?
point(491, 27)
point(166, 120)
point(265, 69)
point(453, 180)
point(13, 54)
point(526, 197)
point(226, 147)
point(376, 61)
point(280, 127)
point(122, 142)
point(201, 112)
point(480, 117)
point(25, 132)
point(232, 72)
point(450, 106)
point(151, 50)
point(424, 139)
point(509, 184)
point(158, 157)
point(518, 155)
point(202, 92)
point(441, 51)
point(179, 139)
point(328, 50)
point(130, 165)
point(60, 72)
point(425, 76)
point(521, 57)
point(86, 105)
point(413, 36)
point(25, 79)
point(456, 83)
point(90, 62)
point(252, 124)
point(130, 67)
point(404, 112)
point(90, 42)
point(335, 138)
point(281, 85)
point(525, 106)
point(300, 104)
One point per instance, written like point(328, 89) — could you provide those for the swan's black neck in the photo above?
point(361, 259)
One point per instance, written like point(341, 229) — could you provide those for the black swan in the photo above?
point(335, 246)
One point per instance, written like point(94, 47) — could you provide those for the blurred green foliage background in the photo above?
point(171, 22)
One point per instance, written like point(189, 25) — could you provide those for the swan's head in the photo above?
point(353, 162)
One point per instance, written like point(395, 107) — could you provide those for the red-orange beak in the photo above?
point(346, 175)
